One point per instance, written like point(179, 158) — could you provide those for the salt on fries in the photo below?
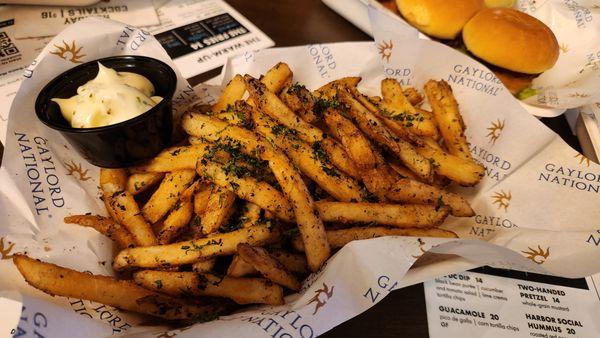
point(265, 188)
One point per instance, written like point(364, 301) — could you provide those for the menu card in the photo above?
point(471, 304)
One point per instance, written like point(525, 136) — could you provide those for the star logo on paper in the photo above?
point(582, 159)
point(5, 251)
point(68, 52)
point(502, 199)
point(495, 130)
point(579, 95)
point(421, 245)
point(563, 47)
point(321, 297)
point(538, 256)
point(385, 50)
point(73, 169)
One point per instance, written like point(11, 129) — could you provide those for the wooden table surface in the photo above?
point(294, 22)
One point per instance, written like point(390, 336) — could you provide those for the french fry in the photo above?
point(179, 217)
point(414, 97)
point(446, 113)
point(330, 88)
point(312, 161)
point(232, 92)
point(112, 181)
point(338, 157)
point(461, 171)
point(340, 237)
point(204, 266)
point(122, 294)
point(239, 268)
point(251, 214)
point(376, 130)
point(311, 227)
point(277, 77)
point(399, 109)
point(201, 199)
point(105, 226)
point(127, 213)
point(402, 216)
point(240, 290)
point(167, 194)
point(188, 252)
point(240, 115)
point(268, 266)
point(177, 158)
point(140, 182)
point(218, 209)
point(249, 189)
point(356, 144)
point(268, 103)
point(410, 191)
point(301, 101)
point(292, 262)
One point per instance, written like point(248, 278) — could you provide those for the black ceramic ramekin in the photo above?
point(125, 143)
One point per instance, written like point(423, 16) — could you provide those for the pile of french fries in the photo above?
point(271, 179)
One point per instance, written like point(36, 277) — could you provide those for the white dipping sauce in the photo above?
point(111, 97)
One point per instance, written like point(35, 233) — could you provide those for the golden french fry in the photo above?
point(122, 294)
point(312, 161)
point(188, 252)
point(179, 217)
point(201, 199)
point(251, 214)
point(338, 157)
point(177, 158)
point(356, 144)
point(140, 182)
point(127, 213)
point(293, 262)
point(204, 266)
point(105, 226)
point(239, 268)
point(218, 209)
point(413, 95)
point(311, 227)
point(410, 191)
point(268, 266)
point(399, 109)
point(239, 115)
point(446, 113)
point(268, 103)
point(402, 170)
point(376, 130)
point(232, 92)
point(112, 181)
point(167, 194)
point(277, 77)
point(339, 238)
point(407, 215)
point(301, 101)
point(329, 89)
point(240, 290)
point(461, 171)
point(248, 188)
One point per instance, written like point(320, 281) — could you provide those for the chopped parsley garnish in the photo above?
point(439, 203)
point(158, 283)
point(320, 154)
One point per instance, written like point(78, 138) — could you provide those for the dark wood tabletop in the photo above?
point(294, 22)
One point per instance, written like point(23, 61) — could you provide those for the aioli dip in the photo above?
point(111, 97)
